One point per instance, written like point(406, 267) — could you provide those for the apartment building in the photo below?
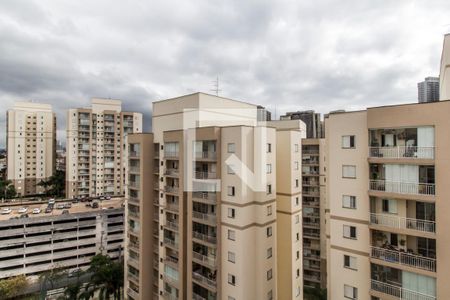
point(95, 148)
point(314, 124)
point(387, 173)
point(31, 146)
point(314, 205)
point(444, 76)
point(210, 183)
point(39, 243)
point(428, 90)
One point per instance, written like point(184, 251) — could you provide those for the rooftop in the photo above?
point(79, 207)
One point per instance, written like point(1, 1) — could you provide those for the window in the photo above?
point(348, 171)
point(297, 219)
point(350, 262)
point(269, 148)
point(269, 274)
point(295, 147)
point(231, 279)
point(348, 141)
point(269, 210)
point(231, 147)
point(231, 213)
point(230, 169)
point(298, 255)
point(296, 182)
point(231, 235)
point(269, 189)
point(350, 292)
point(270, 295)
point(297, 201)
point(231, 191)
point(349, 232)
point(269, 168)
point(269, 231)
point(348, 201)
point(298, 273)
point(231, 257)
point(269, 252)
point(296, 165)
point(389, 206)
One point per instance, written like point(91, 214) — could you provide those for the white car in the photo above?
point(5, 211)
point(36, 211)
point(22, 210)
point(51, 201)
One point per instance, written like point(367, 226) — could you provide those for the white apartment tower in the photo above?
point(95, 149)
point(31, 146)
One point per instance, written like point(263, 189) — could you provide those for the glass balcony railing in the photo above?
point(410, 152)
point(398, 291)
point(402, 187)
point(402, 222)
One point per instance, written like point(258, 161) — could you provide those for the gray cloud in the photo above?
point(285, 54)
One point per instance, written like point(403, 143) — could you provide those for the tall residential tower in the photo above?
point(95, 149)
point(31, 146)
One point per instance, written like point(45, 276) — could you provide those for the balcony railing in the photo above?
point(398, 292)
point(203, 216)
point(205, 175)
point(132, 293)
point(172, 206)
point(402, 187)
point(206, 155)
point(404, 258)
point(205, 197)
point(210, 261)
point(197, 297)
point(403, 223)
point(172, 172)
point(172, 225)
point(170, 242)
point(171, 189)
point(204, 237)
point(402, 152)
point(201, 278)
point(174, 154)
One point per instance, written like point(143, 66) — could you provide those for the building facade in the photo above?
point(314, 205)
point(95, 148)
point(31, 146)
point(428, 90)
point(387, 170)
point(314, 125)
point(444, 75)
point(33, 245)
point(213, 195)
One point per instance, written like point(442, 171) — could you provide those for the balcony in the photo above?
point(132, 293)
point(171, 154)
point(170, 243)
point(206, 155)
point(171, 189)
point(402, 222)
point(171, 261)
point(204, 237)
point(210, 261)
point(133, 277)
point(172, 206)
point(204, 197)
point(402, 187)
point(171, 225)
point(204, 280)
point(403, 258)
point(172, 172)
point(403, 152)
point(205, 175)
point(133, 154)
point(205, 217)
point(397, 291)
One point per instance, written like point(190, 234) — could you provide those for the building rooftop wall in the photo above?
point(32, 106)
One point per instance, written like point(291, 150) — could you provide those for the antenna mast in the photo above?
point(216, 86)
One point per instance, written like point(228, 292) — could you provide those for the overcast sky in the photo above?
point(286, 55)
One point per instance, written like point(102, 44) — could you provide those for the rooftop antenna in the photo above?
point(216, 86)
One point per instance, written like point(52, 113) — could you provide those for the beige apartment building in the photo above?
point(95, 148)
point(444, 76)
point(203, 204)
point(314, 214)
point(31, 146)
point(387, 171)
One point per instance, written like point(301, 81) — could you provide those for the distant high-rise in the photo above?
point(444, 76)
point(31, 145)
point(95, 148)
point(314, 126)
point(428, 90)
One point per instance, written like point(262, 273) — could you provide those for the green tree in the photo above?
point(9, 187)
point(12, 286)
point(107, 276)
point(316, 293)
point(55, 185)
point(52, 277)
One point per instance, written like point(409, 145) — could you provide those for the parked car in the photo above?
point(5, 211)
point(48, 210)
point(102, 198)
point(22, 210)
point(51, 201)
point(24, 216)
point(67, 205)
point(108, 198)
point(89, 204)
point(65, 212)
point(75, 200)
point(60, 206)
point(37, 210)
point(95, 205)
